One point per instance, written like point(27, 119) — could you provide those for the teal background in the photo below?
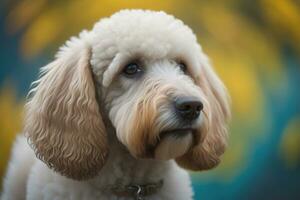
point(255, 48)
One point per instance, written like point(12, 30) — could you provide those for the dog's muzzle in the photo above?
point(171, 144)
point(177, 140)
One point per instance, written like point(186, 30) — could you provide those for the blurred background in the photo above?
point(254, 46)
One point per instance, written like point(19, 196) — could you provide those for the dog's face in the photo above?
point(156, 108)
point(154, 85)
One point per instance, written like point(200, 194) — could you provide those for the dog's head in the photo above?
point(145, 73)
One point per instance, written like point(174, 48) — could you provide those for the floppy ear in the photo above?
point(212, 137)
point(63, 122)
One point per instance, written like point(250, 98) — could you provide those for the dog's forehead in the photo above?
point(148, 33)
point(134, 34)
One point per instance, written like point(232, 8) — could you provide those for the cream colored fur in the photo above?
point(91, 127)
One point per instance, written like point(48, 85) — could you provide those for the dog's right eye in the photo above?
point(132, 70)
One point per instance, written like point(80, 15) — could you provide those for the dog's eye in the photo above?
point(182, 66)
point(132, 69)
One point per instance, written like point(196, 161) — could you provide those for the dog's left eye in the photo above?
point(132, 70)
point(182, 66)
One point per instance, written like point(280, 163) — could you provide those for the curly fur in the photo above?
point(91, 127)
point(63, 123)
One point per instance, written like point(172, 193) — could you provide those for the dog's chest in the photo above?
point(49, 185)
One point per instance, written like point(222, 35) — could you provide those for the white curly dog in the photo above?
point(118, 113)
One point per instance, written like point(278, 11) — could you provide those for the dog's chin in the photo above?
point(173, 144)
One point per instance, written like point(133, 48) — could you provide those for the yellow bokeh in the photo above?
point(290, 145)
point(23, 13)
point(42, 32)
point(10, 124)
point(283, 17)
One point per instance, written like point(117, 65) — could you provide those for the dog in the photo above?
point(120, 113)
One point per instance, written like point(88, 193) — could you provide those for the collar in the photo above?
point(136, 191)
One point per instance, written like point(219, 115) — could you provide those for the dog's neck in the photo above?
point(122, 168)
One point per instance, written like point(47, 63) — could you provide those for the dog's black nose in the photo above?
point(189, 108)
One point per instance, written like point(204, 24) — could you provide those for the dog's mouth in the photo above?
point(172, 143)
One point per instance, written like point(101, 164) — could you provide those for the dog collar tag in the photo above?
point(137, 191)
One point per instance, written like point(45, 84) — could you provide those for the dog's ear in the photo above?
point(212, 137)
point(63, 122)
